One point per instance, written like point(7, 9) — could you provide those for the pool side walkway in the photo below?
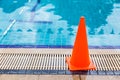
point(55, 50)
point(57, 77)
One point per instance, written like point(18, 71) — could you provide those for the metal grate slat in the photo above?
point(108, 59)
point(36, 61)
point(5, 62)
point(39, 59)
point(95, 60)
point(2, 59)
point(45, 62)
point(27, 61)
point(49, 63)
point(54, 62)
point(24, 60)
point(9, 61)
point(63, 62)
point(117, 61)
point(104, 63)
point(42, 62)
point(15, 61)
point(113, 62)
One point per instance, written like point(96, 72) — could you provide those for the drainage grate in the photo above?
point(33, 61)
point(106, 61)
point(53, 62)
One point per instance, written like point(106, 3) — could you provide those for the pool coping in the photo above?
point(56, 46)
point(59, 72)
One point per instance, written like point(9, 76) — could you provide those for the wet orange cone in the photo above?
point(80, 59)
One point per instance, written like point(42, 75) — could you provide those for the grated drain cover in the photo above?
point(12, 63)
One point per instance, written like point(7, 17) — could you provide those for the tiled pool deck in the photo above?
point(57, 77)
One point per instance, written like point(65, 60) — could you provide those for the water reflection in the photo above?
point(117, 1)
point(9, 6)
point(101, 17)
point(95, 11)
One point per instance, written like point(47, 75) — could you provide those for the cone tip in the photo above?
point(82, 17)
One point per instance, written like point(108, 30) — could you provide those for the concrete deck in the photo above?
point(57, 77)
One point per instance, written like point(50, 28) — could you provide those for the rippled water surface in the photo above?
point(55, 22)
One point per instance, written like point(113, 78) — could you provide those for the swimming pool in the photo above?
point(54, 23)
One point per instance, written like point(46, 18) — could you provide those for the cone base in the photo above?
point(72, 67)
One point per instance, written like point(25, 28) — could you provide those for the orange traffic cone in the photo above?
point(80, 59)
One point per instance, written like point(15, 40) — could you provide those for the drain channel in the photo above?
point(52, 62)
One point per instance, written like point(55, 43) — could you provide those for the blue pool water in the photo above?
point(55, 22)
